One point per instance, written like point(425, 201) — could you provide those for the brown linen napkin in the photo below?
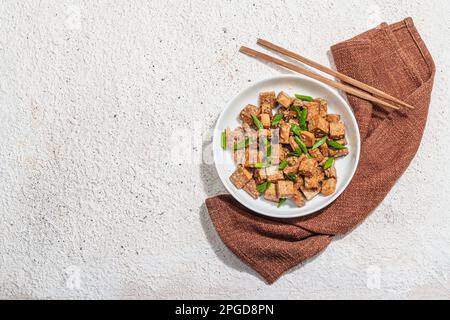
point(392, 58)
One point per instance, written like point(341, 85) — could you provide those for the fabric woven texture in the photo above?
point(392, 58)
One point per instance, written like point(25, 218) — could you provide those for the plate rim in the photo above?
point(287, 77)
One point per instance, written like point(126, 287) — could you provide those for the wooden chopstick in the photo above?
point(332, 72)
point(334, 84)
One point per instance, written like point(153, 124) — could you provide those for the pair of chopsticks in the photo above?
point(358, 88)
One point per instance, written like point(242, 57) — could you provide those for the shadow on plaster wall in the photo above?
point(219, 248)
point(275, 67)
point(212, 186)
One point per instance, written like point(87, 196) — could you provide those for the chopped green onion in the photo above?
point(296, 129)
point(335, 145)
point(328, 163)
point(301, 145)
point(291, 176)
point(224, 140)
point(319, 143)
point(242, 144)
point(269, 151)
point(276, 119)
point(282, 201)
point(296, 153)
point(304, 98)
point(297, 109)
point(283, 165)
point(262, 165)
point(257, 122)
point(302, 119)
point(263, 186)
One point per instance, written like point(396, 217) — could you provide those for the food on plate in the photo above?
point(286, 148)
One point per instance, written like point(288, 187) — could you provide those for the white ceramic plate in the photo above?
point(229, 118)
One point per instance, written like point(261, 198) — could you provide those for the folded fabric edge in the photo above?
point(239, 254)
point(317, 241)
point(360, 41)
point(324, 240)
point(422, 47)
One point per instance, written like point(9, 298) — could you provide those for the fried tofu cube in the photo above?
point(329, 187)
point(239, 156)
point(250, 132)
point(298, 103)
point(250, 188)
point(260, 175)
point(323, 106)
point(320, 174)
point(316, 154)
point(271, 193)
point(266, 109)
point(312, 182)
point(307, 167)
point(261, 156)
point(265, 120)
point(318, 126)
point(302, 157)
point(246, 114)
point(274, 174)
point(289, 114)
point(274, 134)
point(237, 135)
point(285, 189)
point(333, 118)
point(299, 183)
point(308, 138)
point(285, 130)
point(324, 150)
point(284, 100)
point(310, 193)
point(246, 127)
point(338, 153)
point(337, 130)
point(251, 157)
point(240, 177)
point(292, 143)
point(331, 173)
point(284, 155)
point(298, 199)
point(277, 153)
point(322, 163)
point(265, 133)
point(293, 163)
point(267, 101)
point(313, 110)
point(268, 98)
point(291, 169)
